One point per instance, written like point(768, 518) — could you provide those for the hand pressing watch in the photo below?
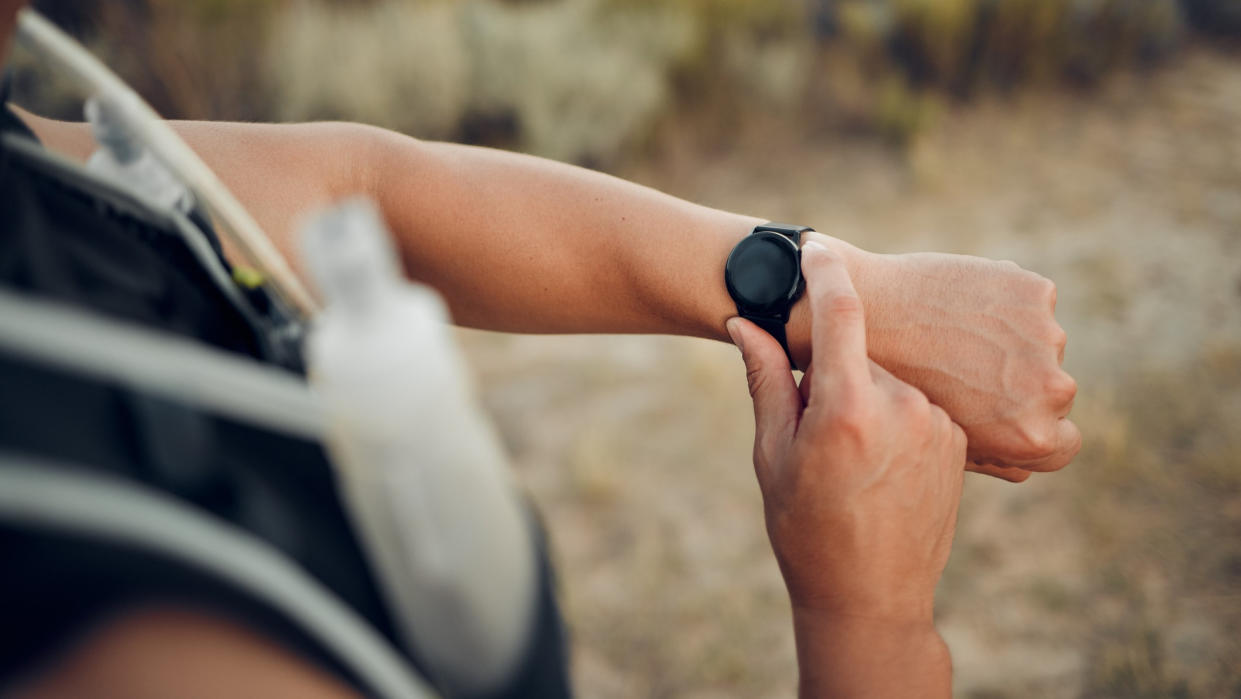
point(861, 480)
point(977, 336)
point(763, 277)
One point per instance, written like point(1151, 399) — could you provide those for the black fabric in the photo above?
point(9, 123)
point(58, 242)
point(793, 232)
point(64, 243)
point(68, 584)
point(776, 328)
point(544, 670)
point(61, 584)
point(278, 488)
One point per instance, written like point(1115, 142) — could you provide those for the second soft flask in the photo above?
point(124, 159)
point(424, 477)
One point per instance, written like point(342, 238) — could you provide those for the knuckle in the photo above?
point(1049, 466)
point(942, 427)
point(761, 463)
point(850, 395)
point(853, 430)
point(854, 421)
point(959, 441)
point(819, 256)
point(1059, 338)
point(765, 447)
point(755, 380)
point(912, 401)
point(914, 410)
point(844, 306)
point(1038, 442)
point(1010, 474)
point(1068, 388)
point(1075, 446)
point(1060, 387)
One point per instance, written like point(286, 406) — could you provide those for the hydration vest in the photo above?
point(178, 502)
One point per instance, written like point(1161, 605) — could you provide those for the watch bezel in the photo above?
point(779, 307)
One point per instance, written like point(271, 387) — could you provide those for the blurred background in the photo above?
point(1097, 142)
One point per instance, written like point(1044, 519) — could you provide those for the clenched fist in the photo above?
point(980, 339)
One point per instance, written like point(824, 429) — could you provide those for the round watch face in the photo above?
point(763, 271)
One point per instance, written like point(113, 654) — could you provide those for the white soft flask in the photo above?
point(124, 159)
point(424, 477)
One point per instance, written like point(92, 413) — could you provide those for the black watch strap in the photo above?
point(790, 231)
point(775, 328)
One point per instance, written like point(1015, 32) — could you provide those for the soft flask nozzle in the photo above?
point(125, 160)
point(110, 130)
point(349, 253)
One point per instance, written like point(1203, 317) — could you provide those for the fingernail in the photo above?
point(733, 326)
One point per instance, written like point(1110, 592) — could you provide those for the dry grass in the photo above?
point(1164, 510)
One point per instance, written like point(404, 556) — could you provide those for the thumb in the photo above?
point(777, 403)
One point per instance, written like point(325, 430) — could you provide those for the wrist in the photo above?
point(716, 306)
point(850, 655)
point(864, 269)
point(915, 619)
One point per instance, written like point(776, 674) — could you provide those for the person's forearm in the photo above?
point(525, 244)
point(860, 657)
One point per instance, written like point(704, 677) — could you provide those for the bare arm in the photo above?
point(525, 244)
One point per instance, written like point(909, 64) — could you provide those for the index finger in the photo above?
point(837, 323)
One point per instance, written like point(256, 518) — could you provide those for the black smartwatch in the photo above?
point(763, 275)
